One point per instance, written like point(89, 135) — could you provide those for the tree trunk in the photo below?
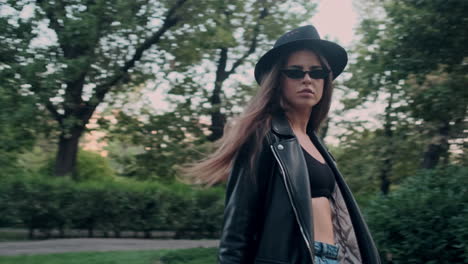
point(65, 161)
point(218, 119)
point(384, 175)
point(62, 232)
point(388, 149)
point(31, 233)
point(437, 148)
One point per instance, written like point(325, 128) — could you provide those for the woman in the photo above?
point(286, 201)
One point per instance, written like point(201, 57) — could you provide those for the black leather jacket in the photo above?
point(268, 217)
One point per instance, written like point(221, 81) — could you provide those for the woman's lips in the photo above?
point(306, 91)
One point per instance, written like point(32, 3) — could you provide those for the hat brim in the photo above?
point(335, 55)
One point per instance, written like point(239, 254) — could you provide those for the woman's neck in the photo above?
point(298, 120)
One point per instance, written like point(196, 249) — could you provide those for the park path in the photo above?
point(97, 244)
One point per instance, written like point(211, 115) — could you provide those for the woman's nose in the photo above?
point(306, 78)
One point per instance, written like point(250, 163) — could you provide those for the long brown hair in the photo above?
point(250, 128)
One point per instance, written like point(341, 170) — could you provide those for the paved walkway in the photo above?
point(97, 244)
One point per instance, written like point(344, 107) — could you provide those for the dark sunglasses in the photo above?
point(299, 74)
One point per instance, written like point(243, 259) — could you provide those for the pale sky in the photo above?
point(336, 20)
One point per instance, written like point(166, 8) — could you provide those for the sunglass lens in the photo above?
point(318, 74)
point(299, 74)
point(294, 74)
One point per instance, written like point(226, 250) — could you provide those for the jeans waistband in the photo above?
point(326, 250)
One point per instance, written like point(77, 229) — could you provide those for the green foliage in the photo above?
point(113, 257)
point(410, 37)
point(9, 215)
point(19, 118)
point(37, 202)
point(90, 166)
point(362, 154)
point(412, 54)
point(113, 205)
point(193, 211)
point(97, 47)
point(183, 256)
point(100, 49)
point(87, 204)
point(10, 236)
point(425, 219)
point(208, 218)
point(160, 144)
point(191, 256)
point(37, 157)
point(123, 157)
point(438, 96)
point(231, 25)
point(233, 35)
point(432, 33)
point(417, 51)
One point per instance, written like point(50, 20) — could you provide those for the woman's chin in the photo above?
point(302, 106)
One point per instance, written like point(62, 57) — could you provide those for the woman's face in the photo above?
point(303, 93)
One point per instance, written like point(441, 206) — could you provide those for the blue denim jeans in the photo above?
point(325, 253)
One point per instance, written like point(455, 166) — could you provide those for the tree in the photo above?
point(20, 115)
point(413, 53)
point(436, 46)
point(362, 153)
point(165, 141)
point(204, 85)
point(99, 48)
point(228, 45)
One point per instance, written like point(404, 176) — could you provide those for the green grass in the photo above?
point(191, 256)
point(186, 256)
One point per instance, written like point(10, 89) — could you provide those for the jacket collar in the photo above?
point(280, 124)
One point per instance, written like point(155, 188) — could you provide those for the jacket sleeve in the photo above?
point(244, 198)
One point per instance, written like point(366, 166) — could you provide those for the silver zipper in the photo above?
point(292, 203)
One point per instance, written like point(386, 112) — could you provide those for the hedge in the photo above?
point(46, 204)
point(425, 220)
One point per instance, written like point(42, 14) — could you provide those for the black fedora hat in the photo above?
point(303, 37)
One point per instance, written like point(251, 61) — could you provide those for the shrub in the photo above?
point(147, 208)
point(8, 215)
point(46, 203)
point(113, 204)
point(179, 209)
point(92, 166)
point(86, 207)
point(41, 203)
point(425, 220)
point(208, 217)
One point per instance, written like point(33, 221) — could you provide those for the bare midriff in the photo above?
point(322, 217)
point(323, 226)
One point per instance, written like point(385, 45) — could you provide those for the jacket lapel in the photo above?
point(295, 175)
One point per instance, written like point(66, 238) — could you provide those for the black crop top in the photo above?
point(321, 178)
